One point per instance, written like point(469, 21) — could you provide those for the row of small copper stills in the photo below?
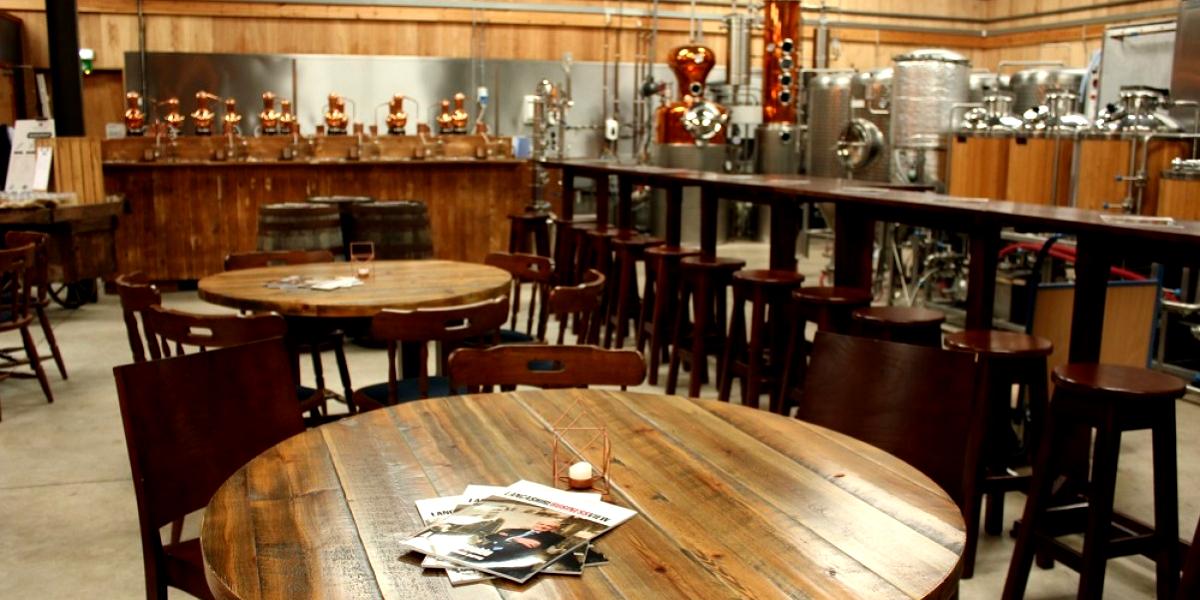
point(282, 121)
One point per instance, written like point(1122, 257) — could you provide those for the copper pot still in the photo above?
point(691, 118)
point(459, 118)
point(287, 119)
point(232, 119)
point(173, 118)
point(268, 119)
point(203, 116)
point(781, 60)
point(135, 119)
point(445, 120)
point(336, 119)
point(397, 119)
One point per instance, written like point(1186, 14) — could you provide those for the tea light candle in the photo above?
point(364, 272)
point(580, 475)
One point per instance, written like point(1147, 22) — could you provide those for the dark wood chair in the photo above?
point(40, 279)
point(137, 295)
point(904, 324)
point(583, 302)
point(185, 440)
point(1189, 585)
point(544, 366)
point(919, 403)
point(16, 310)
point(420, 327)
point(525, 269)
point(529, 232)
point(273, 258)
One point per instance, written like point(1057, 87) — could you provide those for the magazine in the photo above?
point(518, 532)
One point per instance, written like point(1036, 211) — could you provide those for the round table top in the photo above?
point(732, 501)
point(402, 284)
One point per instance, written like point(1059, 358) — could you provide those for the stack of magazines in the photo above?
point(513, 532)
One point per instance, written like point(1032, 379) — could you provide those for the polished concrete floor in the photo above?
point(68, 520)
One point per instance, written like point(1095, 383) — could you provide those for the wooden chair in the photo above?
point(40, 279)
point(919, 403)
point(421, 326)
point(544, 366)
point(1189, 585)
point(584, 301)
point(525, 268)
point(272, 258)
point(16, 309)
point(185, 440)
point(137, 296)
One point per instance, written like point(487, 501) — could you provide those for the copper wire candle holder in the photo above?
point(581, 437)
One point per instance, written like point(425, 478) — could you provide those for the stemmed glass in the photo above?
point(362, 258)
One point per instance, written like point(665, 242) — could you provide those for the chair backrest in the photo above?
point(919, 403)
point(192, 421)
point(15, 266)
point(271, 258)
point(531, 269)
point(424, 325)
point(137, 296)
point(582, 300)
point(39, 273)
point(177, 329)
point(544, 366)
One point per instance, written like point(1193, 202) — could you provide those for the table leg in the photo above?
point(1092, 264)
point(564, 247)
point(674, 216)
point(981, 281)
point(785, 226)
point(568, 194)
point(624, 203)
point(709, 203)
point(853, 246)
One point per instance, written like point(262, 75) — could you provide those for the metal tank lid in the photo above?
point(993, 119)
point(1138, 112)
point(1058, 117)
point(1182, 168)
point(933, 54)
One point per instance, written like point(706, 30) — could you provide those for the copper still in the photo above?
point(287, 120)
point(459, 117)
point(445, 121)
point(397, 119)
point(268, 119)
point(692, 118)
point(781, 36)
point(231, 120)
point(202, 117)
point(135, 119)
point(173, 118)
point(336, 118)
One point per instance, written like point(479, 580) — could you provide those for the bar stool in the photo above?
point(829, 308)
point(529, 233)
point(625, 305)
point(758, 359)
point(703, 281)
point(1110, 399)
point(660, 300)
point(1008, 358)
point(568, 244)
point(904, 324)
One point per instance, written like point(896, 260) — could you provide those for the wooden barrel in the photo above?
point(343, 204)
point(1179, 196)
point(296, 226)
point(978, 166)
point(1102, 160)
point(1031, 177)
point(399, 229)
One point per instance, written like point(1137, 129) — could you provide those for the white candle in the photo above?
point(581, 474)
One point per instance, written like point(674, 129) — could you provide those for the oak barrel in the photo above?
point(1179, 196)
point(1102, 160)
point(343, 204)
point(297, 226)
point(978, 166)
point(1033, 176)
point(399, 229)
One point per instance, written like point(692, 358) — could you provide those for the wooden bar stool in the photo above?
point(1007, 359)
point(1110, 399)
point(758, 359)
point(704, 282)
point(829, 308)
point(625, 307)
point(529, 233)
point(660, 300)
point(904, 324)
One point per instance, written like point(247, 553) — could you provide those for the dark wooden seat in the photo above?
point(570, 249)
point(538, 272)
point(625, 305)
point(704, 283)
point(1111, 400)
point(185, 440)
point(829, 308)
point(904, 324)
point(755, 353)
point(40, 280)
point(544, 366)
point(1008, 359)
point(581, 302)
point(529, 233)
point(420, 327)
point(660, 300)
point(137, 295)
point(17, 312)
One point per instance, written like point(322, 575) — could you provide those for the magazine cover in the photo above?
point(432, 509)
point(517, 533)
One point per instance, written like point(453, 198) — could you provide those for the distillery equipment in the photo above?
point(927, 85)
point(203, 116)
point(135, 119)
point(445, 118)
point(862, 145)
point(268, 119)
point(1042, 152)
point(1179, 190)
point(336, 118)
point(979, 149)
point(778, 138)
point(397, 119)
point(827, 113)
point(232, 119)
point(287, 119)
point(459, 117)
point(172, 117)
point(1030, 86)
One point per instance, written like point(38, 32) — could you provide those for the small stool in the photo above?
point(526, 227)
point(1110, 399)
point(625, 304)
point(758, 360)
point(704, 282)
point(660, 300)
point(903, 324)
point(830, 309)
point(1008, 358)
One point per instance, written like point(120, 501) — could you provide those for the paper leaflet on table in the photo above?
point(518, 532)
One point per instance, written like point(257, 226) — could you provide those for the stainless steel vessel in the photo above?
point(862, 146)
point(828, 112)
point(926, 87)
point(1029, 87)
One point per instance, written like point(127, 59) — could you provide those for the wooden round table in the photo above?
point(732, 502)
point(395, 284)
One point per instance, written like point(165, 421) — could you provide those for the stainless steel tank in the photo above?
point(926, 86)
point(828, 112)
point(1029, 87)
point(984, 84)
point(863, 146)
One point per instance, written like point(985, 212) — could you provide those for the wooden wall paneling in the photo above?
point(1128, 321)
point(103, 101)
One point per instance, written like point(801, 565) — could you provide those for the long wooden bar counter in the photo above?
point(186, 212)
point(1100, 243)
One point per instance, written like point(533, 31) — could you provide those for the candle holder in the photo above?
point(581, 437)
point(362, 259)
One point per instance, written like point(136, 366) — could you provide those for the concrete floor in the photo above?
point(68, 519)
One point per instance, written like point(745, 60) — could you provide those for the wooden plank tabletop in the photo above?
point(732, 502)
point(402, 284)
